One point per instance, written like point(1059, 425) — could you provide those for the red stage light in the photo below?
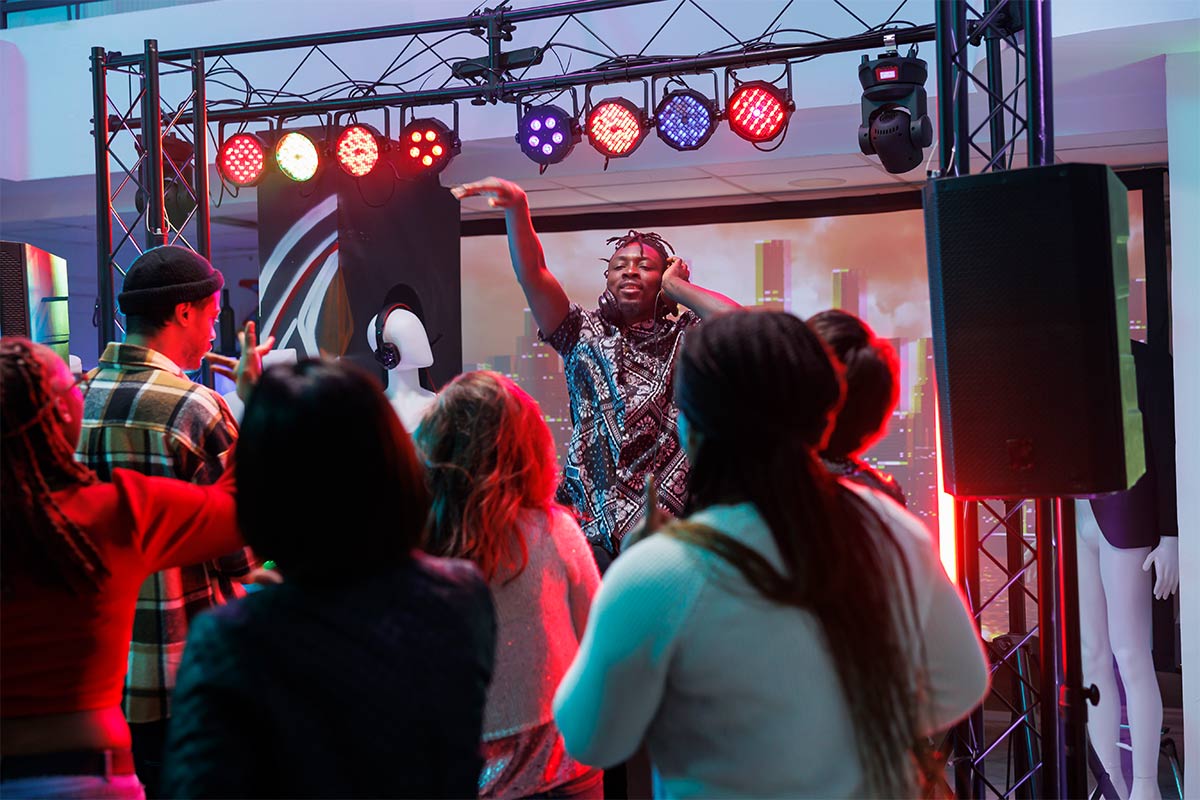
point(758, 111)
point(241, 159)
point(430, 145)
point(615, 127)
point(357, 150)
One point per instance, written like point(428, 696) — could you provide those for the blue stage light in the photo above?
point(547, 134)
point(685, 119)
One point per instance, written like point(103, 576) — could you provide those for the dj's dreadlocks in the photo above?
point(651, 240)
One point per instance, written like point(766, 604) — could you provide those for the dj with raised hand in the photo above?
point(618, 359)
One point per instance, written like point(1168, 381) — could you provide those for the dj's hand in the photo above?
point(677, 270)
point(499, 192)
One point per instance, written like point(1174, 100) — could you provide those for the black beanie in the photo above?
point(165, 277)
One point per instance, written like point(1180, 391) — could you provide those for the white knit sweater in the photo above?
point(733, 695)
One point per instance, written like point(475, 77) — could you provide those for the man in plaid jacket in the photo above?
point(141, 412)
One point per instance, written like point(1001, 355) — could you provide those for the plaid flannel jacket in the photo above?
point(141, 412)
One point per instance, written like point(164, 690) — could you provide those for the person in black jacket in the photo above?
point(365, 672)
point(1121, 537)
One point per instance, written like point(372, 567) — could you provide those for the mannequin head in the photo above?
point(404, 331)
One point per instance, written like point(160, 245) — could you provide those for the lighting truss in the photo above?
point(209, 86)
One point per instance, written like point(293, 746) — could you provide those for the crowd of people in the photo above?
point(713, 580)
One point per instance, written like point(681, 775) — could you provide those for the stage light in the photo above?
point(429, 145)
point(241, 159)
point(357, 150)
point(296, 156)
point(615, 127)
point(758, 111)
point(895, 123)
point(685, 119)
point(179, 194)
point(547, 134)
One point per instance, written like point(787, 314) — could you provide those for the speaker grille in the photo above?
point(1028, 280)
point(14, 299)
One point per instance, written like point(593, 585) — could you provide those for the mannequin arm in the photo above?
point(1165, 560)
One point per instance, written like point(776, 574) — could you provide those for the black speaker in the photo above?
point(1029, 290)
point(33, 296)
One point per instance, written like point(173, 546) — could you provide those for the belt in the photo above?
point(105, 763)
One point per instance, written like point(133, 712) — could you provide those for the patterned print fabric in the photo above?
point(866, 475)
point(624, 420)
point(142, 413)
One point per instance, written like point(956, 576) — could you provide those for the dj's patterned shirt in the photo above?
point(624, 420)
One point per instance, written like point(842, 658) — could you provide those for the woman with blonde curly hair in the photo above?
point(493, 475)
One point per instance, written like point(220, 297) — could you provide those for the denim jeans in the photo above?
point(74, 787)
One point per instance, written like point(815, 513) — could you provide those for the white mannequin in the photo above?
point(1115, 621)
point(284, 356)
point(404, 390)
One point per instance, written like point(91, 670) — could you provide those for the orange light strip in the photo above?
point(947, 537)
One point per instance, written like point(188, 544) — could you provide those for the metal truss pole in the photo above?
point(1071, 696)
point(200, 156)
point(1039, 86)
point(1071, 707)
point(951, 32)
point(1048, 641)
point(995, 79)
point(968, 777)
point(152, 186)
point(104, 282)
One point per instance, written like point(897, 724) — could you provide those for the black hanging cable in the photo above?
point(851, 13)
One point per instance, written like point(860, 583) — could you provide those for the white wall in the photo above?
point(1183, 121)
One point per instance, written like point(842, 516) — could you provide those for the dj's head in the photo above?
point(634, 273)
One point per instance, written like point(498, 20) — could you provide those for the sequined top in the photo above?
point(541, 615)
point(624, 419)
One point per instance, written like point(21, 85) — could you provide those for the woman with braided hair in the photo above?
point(75, 552)
point(795, 636)
point(617, 360)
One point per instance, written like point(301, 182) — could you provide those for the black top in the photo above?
point(374, 687)
point(1147, 510)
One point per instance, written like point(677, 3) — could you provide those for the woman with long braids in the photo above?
point(75, 552)
point(490, 460)
point(795, 635)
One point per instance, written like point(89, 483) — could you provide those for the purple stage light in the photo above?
point(543, 147)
